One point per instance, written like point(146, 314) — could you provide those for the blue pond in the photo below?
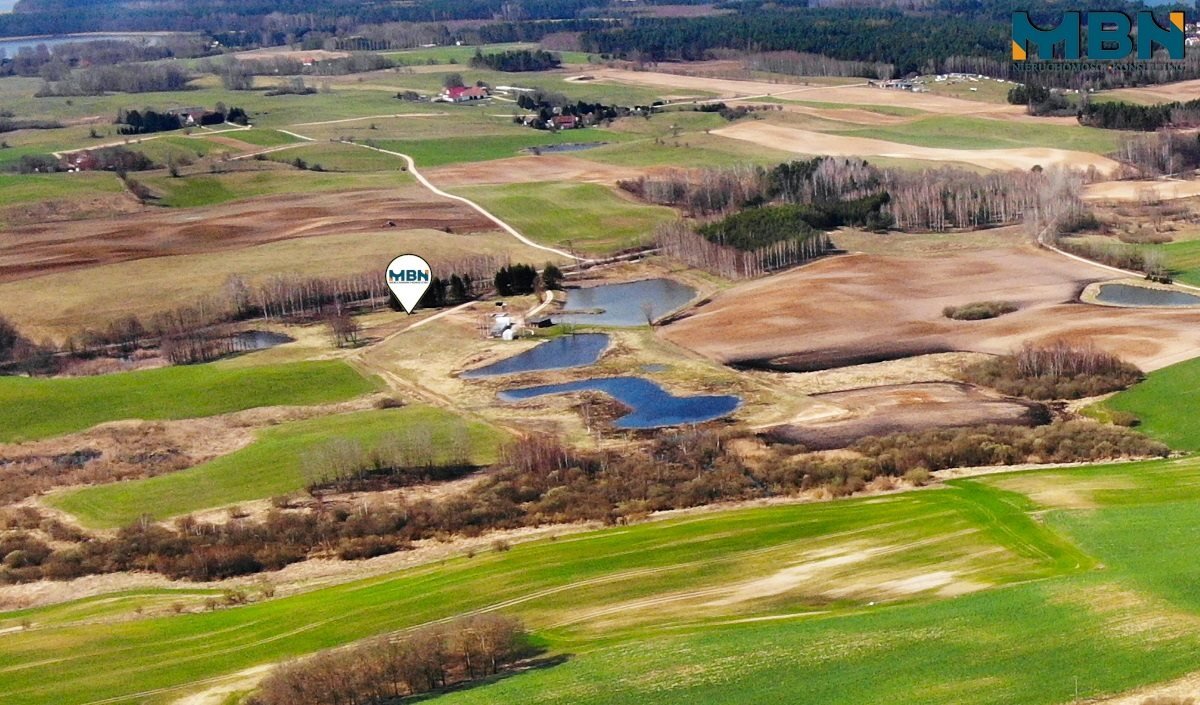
point(652, 405)
point(624, 304)
point(1129, 295)
point(560, 353)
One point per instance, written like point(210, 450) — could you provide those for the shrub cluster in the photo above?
point(1058, 370)
point(979, 310)
point(540, 481)
point(385, 669)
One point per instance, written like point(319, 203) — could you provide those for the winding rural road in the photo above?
point(412, 168)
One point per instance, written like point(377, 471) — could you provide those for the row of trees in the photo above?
point(524, 279)
point(1119, 115)
point(121, 78)
point(680, 241)
point(53, 62)
point(382, 670)
point(148, 120)
point(799, 63)
point(517, 60)
point(194, 333)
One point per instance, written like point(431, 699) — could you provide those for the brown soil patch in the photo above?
point(283, 53)
point(807, 142)
point(841, 418)
point(547, 167)
point(867, 308)
point(68, 209)
point(33, 250)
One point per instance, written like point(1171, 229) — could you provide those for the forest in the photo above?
point(934, 199)
point(1117, 115)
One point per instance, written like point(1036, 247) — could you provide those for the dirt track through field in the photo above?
point(861, 308)
point(818, 143)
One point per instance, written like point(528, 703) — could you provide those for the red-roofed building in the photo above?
point(463, 94)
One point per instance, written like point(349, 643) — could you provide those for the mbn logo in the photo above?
point(1108, 36)
point(408, 275)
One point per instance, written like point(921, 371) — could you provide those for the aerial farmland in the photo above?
point(594, 353)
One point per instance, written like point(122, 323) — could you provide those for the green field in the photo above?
point(272, 465)
point(587, 217)
point(947, 596)
point(1163, 403)
point(339, 157)
point(41, 407)
point(40, 188)
point(957, 132)
point(206, 189)
point(456, 150)
point(261, 138)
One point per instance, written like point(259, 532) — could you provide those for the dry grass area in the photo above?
point(40, 249)
point(851, 91)
point(864, 308)
point(542, 168)
point(808, 142)
point(838, 419)
point(1160, 93)
point(1062, 491)
point(1141, 190)
point(63, 303)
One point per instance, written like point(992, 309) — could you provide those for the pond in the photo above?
point(652, 406)
point(257, 340)
point(558, 354)
point(1130, 295)
point(565, 147)
point(625, 304)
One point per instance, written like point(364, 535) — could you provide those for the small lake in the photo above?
point(258, 340)
point(652, 406)
point(624, 304)
point(12, 45)
point(1130, 295)
point(559, 354)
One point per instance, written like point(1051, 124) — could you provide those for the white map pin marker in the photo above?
point(408, 277)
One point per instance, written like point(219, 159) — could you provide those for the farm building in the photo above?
point(463, 94)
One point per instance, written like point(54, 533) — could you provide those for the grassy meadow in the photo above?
point(1163, 404)
point(42, 407)
point(589, 217)
point(962, 132)
point(272, 465)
